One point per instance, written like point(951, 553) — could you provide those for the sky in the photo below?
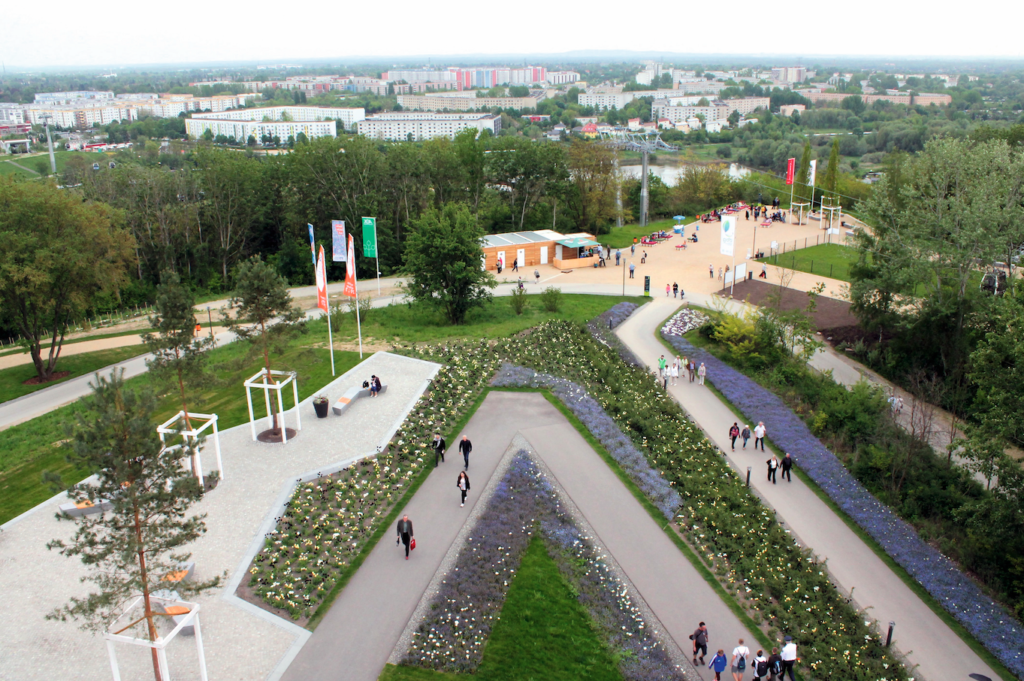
point(275, 31)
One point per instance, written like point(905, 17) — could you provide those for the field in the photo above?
point(828, 260)
point(12, 381)
point(622, 237)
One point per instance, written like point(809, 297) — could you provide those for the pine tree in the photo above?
point(135, 545)
point(804, 170)
point(178, 352)
point(264, 313)
point(831, 182)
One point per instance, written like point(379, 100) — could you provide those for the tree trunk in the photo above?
point(184, 409)
point(266, 361)
point(148, 608)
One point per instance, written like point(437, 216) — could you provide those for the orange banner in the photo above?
point(321, 282)
point(350, 270)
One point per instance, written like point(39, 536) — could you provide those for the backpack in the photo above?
point(741, 664)
point(777, 667)
point(762, 667)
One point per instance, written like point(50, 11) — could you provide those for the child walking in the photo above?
point(718, 664)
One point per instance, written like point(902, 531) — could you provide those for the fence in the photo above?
point(95, 322)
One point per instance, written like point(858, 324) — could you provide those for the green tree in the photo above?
point(179, 353)
point(831, 181)
point(592, 176)
point(57, 255)
point(234, 200)
point(451, 236)
point(132, 547)
point(734, 118)
point(519, 91)
point(525, 169)
point(263, 312)
point(803, 172)
point(207, 135)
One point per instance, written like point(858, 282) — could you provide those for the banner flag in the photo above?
point(369, 237)
point(350, 270)
point(810, 174)
point(790, 169)
point(728, 234)
point(312, 248)
point(338, 243)
point(321, 283)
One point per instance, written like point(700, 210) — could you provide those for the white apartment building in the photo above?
point(64, 116)
point(401, 125)
point(241, 130)
point(715, 111)
point(562, 77)
point(789, 74)
point(12, 114)
point(304, 114)
point(463, 101)
point(83, 97)
point(607, 100)
point(169, 106)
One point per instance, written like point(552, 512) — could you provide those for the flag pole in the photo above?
point(330, 339)
point(378, 266)
point(359, 328)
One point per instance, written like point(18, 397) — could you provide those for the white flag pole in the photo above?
point(330, 339)
point(359, 328)
point(378, 265)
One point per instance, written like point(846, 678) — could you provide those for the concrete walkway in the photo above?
point(357, 636)
point(931, 646)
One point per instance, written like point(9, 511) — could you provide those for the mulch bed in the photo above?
point(56, 376)
point(830, 314)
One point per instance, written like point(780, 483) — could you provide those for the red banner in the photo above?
point(350, 270)
point(790, 170)
point(321, 282)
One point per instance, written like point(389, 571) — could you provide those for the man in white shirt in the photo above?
point(739, 660)
point(759, 432)
point(788, 658)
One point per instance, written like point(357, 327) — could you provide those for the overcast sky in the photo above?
point(62, 32)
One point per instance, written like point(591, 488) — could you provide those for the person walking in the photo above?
point(787, 467)
point(775, 665)
point(748, 215)
point(711, 271)
point(643, 258)
point(759, 666)
point(773, 468)
point(465, 446)
point(675, 289)
point(661, 365)
point(759, 431)
point(739, 660)
point(734, 433)
point(788, 658)
point(515, 265)
point(764, 271)
point(693, 369)
point(463, 484)
point(675, 372)
point(438, 447)
point(632, 267)
point(700, 642)
point(718, 664)
point(405, 534)
point(536, 276)
point(632, 249)
point(745, 434)
point(702, 373)
point(668, 290)
point(720, 276)
point(618, 256)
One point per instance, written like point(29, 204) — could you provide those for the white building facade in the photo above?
point(414, 126)
point(241, 130)
point(305, 114)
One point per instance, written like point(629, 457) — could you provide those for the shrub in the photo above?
point(551, 299)
point(518, 300)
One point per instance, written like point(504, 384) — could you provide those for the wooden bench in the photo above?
point(82, 508)
point(353, 394)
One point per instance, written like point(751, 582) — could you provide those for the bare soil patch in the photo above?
point(830, 314)
point(56, 376)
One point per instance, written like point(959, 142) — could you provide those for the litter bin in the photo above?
point(750, 276)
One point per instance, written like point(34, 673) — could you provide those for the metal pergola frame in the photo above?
point(167, 428)
point(259, 380)
point(160, 645)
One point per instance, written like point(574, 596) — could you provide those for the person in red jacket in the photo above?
point(734, 433)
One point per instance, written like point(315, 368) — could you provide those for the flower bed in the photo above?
point(329, 522)
point(685, 320)
point(601, 328)
point(462, 613)
point(957, 593)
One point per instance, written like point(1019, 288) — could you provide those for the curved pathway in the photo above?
point(357, 636)
point(936, 652)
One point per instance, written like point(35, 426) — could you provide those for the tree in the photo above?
point(135, 545)
point(519, 91)
point(525, 169)
point(832, 171)
point(263, 311)
point(178, 352)
point(207, 135)
point(734, 118)
point(57, 254)
point(803, 172)
point(234, 201)
point(451, 236)
point(592, 176)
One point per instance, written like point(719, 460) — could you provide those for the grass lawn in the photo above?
point(543, 633)
point(415, 323)
point(622, 237)
point(829, 260)
point(12, 380)
point(8, 168)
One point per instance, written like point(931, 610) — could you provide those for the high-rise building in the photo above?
point(789, 74)
point(401, 125)
point(300, 114)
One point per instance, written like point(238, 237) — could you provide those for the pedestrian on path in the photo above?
point(700, 642)
point(405, 533)
point(618, 256)
point(775, 665)
point(720, 275)
point(632, 249)
point(632, 267)
point(718, 664)
point(536, 276)
point(748, 215)
point(515, 265)
point(739, 660)
point(693, 369)
point(773, 468)
point(675, 372)
point(438, 445)
point(760, 666)
point(711, 271)
point(745, 434)
point(734, 433)
point(463, 484)
point(643, 258)
point(787, 467)
point(759, 432)
point(788, 657)
point(661, 365)
point(764, 271)
point(668, 290)
point(675, 289)
point(702, 373)
point(465, 446)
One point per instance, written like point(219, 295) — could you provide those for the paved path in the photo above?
point(925, 638)
point(355, 639)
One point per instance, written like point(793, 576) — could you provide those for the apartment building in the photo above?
point(562, 77)
point(401, 125)
point(304, 114)
point(83, 97)
point(12, 114)
point(840, 96)
point(789, 74)
point(479, 77)
point(66, 116)
point(439, 102)
point(241, 130)
point(715, 111)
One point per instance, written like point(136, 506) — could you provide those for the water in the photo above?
point(671, 174)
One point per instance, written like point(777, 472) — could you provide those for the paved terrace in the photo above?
point(241, 641)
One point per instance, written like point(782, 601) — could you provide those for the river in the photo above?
point(670, 174)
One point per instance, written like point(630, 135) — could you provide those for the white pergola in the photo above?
point(835, 213)
point(171, 427)
point(188, 617)
point(799, 207)
point(259, 381)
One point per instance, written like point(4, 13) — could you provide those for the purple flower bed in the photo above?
point(601, 327)
point(601, 426)
point(982, 616)
point(463, 611)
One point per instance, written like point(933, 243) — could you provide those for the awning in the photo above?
point(577, 242)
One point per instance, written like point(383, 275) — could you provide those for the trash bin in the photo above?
point(750, 276)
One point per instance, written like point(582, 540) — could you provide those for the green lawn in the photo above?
point(829, 260)
point(12, 380)
point(416, 323)
point(8, 168)
point(622, 237)
point(543, 633)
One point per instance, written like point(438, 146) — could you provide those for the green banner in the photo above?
point(370, 237)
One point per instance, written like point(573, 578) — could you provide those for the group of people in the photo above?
point(674, 290)
point(774, 667)
point(713, 216)
point(759, 432)
point(762, 212)
point(670, 372)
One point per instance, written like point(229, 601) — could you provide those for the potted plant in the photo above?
point(321, 405)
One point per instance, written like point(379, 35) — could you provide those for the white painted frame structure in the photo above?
point(800, 207)
point(167, 428)
point(160, 645)
point(259, 380)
